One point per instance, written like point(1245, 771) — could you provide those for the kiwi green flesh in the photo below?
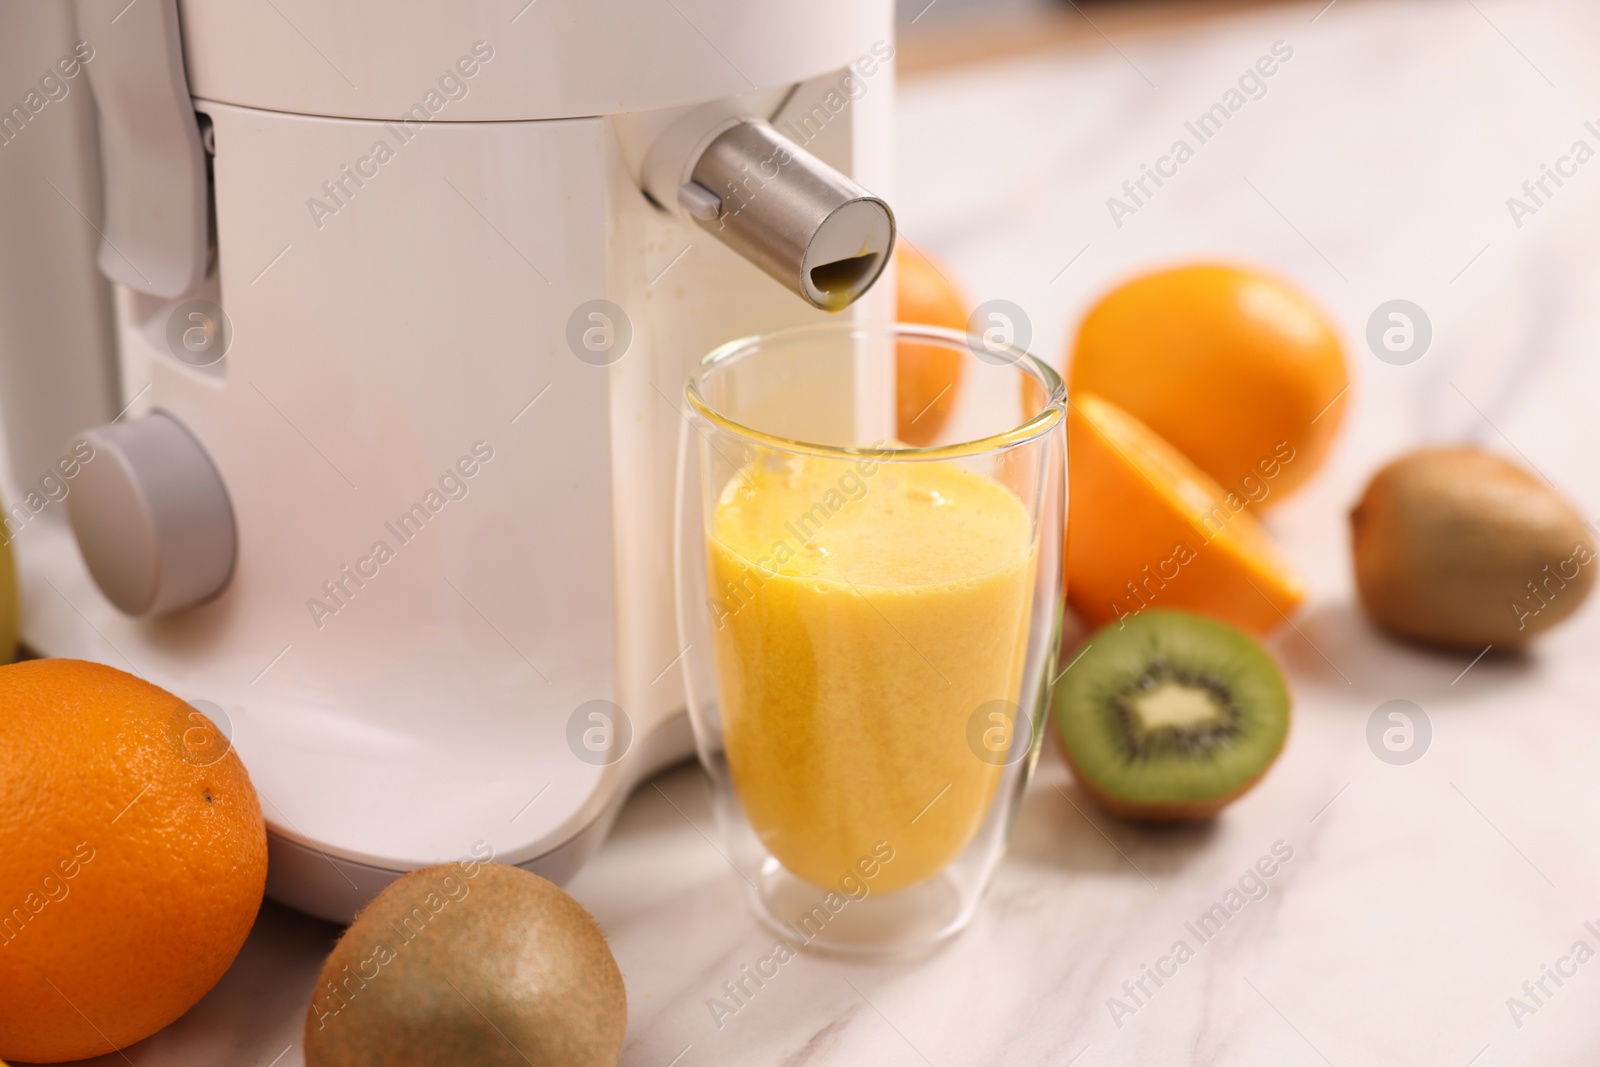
point(1169, 711)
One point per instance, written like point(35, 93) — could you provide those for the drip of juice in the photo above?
point(864, 612)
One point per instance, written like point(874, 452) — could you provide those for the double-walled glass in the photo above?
point(872, 626)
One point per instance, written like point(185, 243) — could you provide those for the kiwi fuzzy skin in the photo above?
point(1448, 545)
point(478, 964)
point(1159, 814)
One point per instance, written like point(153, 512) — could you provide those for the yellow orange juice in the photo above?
point(863, 613)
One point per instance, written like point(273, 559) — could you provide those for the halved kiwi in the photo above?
point(1169, 716)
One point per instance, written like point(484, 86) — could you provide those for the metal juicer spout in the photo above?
point(780, 207)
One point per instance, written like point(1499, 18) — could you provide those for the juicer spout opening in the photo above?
point(815, 231)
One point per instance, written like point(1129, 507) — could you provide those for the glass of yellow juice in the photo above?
point(871, 626)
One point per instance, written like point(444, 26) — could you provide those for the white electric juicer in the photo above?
point(382, 404)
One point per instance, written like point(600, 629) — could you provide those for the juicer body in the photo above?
point(445, 406)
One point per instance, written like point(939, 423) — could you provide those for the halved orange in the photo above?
point(1146, 527)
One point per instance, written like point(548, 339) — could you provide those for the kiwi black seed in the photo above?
point(1169, 716)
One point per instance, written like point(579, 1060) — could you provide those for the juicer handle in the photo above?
point(57, 342)
point(156, 231)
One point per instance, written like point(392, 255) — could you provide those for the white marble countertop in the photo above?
point(1419, 898)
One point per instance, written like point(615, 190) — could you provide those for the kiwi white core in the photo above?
point(1173, 705)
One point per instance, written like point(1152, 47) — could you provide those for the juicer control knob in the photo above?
point(152, 517)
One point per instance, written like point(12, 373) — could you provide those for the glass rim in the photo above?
point(1039, 425)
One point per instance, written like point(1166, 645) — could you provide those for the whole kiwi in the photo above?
point(469, 963)
point(1460, 548)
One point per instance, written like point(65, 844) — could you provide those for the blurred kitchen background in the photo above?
point(939, 32)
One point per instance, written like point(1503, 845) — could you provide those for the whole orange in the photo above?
point(135, 858)
point(1239, 370)
point(927, 377)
